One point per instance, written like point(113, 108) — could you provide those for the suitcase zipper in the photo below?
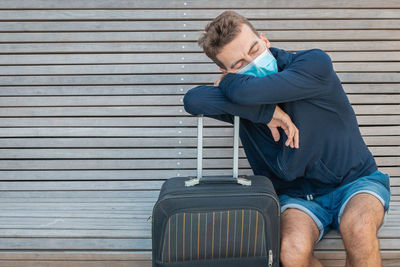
point(193, 194)
point(271, 258)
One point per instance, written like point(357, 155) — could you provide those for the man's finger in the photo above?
point(286, 127)
point(292, 133)
point(287, 131)
point(297, 139)
point(275, 133)
point(289, 134)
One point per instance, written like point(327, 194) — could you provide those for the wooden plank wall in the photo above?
point(92, 120)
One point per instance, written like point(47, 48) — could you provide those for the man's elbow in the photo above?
point(191, 102)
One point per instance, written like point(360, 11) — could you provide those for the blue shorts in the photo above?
point(327, 209)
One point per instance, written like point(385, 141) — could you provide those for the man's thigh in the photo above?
point(362, 209)
point(366, 197)
point(296, 225)
point(302, 217)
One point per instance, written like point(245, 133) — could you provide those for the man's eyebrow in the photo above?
point(251, 47)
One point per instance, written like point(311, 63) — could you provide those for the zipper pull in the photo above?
point(271, 258)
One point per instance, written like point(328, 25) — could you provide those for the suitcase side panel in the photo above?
point(266, 206)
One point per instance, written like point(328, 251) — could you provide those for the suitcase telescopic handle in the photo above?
point(218, 179)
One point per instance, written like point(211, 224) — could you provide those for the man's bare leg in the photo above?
point(359, 225)
point(298, 236)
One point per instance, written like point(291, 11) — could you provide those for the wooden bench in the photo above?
point(93, 123)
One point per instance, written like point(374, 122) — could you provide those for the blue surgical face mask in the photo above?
point(262, 65)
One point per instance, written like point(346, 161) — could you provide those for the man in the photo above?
point(324, 174)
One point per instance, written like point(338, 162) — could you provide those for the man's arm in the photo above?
point(209, 101)
point(302, 79)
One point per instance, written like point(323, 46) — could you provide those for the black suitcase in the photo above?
point(216, 220)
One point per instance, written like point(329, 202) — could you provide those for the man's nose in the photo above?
point(248, 58)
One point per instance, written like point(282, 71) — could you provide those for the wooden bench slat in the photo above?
point(110, 90)
point(94, 4)
point(135, 244)
point(195, 25)
point(86, 55)
point(363, 120)
point(183, 78)
point(149, 132)
point(207, 14)
point(129, 174)
point(140, 153)
point(135, 142)
point(49, 101)
point(131, 165)
point(169, 68)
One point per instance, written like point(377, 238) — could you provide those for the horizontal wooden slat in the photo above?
point(124, 163)
point(188, 4)
point(277, 35)
point(78, 255)
point(385, 77)
point(86, 228)
point(138, 51)
point(195, 25)
point(44, 142)
point(150, 174)
point(50, 101)
point(157, 89)
point(103, 55)
point(139, 153)
point(85, 263)
point(207, 14)
point(170, 68)
point(154, 132)
point(148, 122)
point(81, 185)
point(135, 244)
point(143, 258)
point(99, 185)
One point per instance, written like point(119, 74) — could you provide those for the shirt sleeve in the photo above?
point(209, 101)
point(306, 77)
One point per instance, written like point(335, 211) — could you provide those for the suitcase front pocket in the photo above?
point(236, 233)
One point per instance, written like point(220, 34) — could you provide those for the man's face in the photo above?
point(242, 50)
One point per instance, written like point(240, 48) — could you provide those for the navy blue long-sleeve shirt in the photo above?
point(331, 149)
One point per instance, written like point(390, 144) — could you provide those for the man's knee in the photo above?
point(295, 251)
point(298, 236)
point(362, 216)
point(359, 228)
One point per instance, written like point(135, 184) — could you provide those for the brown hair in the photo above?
point(219, 32)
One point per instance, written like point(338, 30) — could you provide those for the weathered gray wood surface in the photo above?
point(92, 120)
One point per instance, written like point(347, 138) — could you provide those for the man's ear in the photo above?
point(262, 36)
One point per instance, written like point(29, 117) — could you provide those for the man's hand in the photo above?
point(281, 119)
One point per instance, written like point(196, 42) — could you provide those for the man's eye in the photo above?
point(255, 51)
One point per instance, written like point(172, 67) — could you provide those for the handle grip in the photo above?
point(218, 180)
